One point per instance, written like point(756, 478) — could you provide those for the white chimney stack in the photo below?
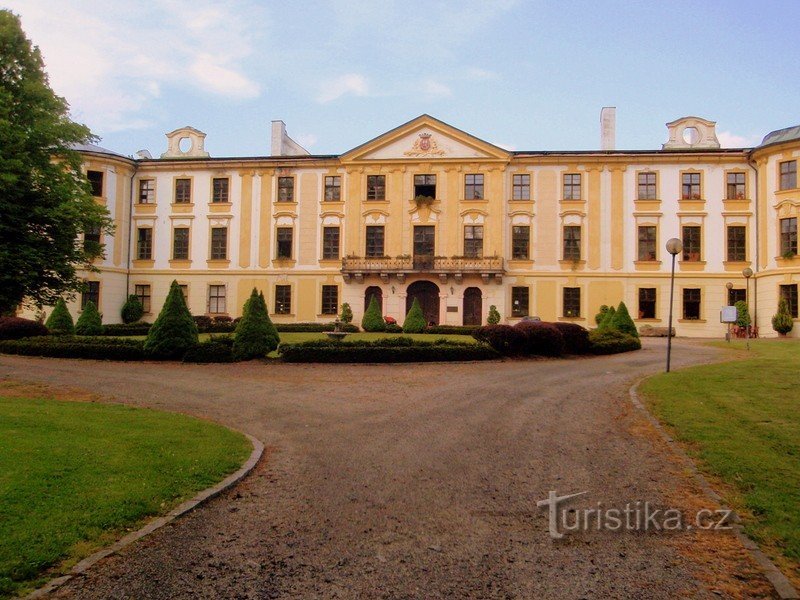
point(282, 144)
point(608, 126)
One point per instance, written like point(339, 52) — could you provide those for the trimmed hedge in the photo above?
point(393, 328)
point(451, 329)
point(576, 338)
point(541, 339)
point(212, 351)
point(314, 327)
point(132, 310)
point(390, 350)
point(15, 328)
point(97, 348)
point(611, 341)
point(504, 339)
point(122, 329)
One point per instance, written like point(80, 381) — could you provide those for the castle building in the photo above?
point(431, 212)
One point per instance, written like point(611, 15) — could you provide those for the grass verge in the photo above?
point(741, 421)
point(74, 476)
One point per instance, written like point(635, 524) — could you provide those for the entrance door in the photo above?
point(473, 306)
point(424, 247)
point(427, 293)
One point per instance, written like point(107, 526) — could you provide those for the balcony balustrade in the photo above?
point(357, 267)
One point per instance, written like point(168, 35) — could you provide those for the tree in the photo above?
point(373, 319)
point(742, 314)
point(174, 331)
point(415, 319)
point(132, 310)
point(622, 321)
point(90, 322)
point(60, 321)
point(45, 200)
point(346, 315)
point(608, 319)
point(255, 335)
point(494, 316)
point(782, 321)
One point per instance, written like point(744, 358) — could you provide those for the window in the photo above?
point(789, 293)
point(374, 241)
point(283, 299)
point(217, 299)
point(690, 188)
point(425, 185)
point(144, 243)
point(333, 188)
point(521, 187)
point(736, 186)
point(285, 189)
point(284, 242)
point(219, 189)
point(789, 236)
point(647, 303)
point(91, 293)
point(147, 191)
point(737, 243)
point(473, 187)
point(572, 242)
point(691, 303)
point(142, 292)
point(183, 191)
point(647, 186)
point(736, 295)
point(691, 243)
point(330, 243)
point(519, 301)
point(473, 241)
point(91, 238)
point(330, 299)
point(788, 175)
point(376, 187)
point(180, 243)
point(95, 182)
point(572, 186)
point(647, 242)
point(219, 243)
point(572, 301)
point(520, 242)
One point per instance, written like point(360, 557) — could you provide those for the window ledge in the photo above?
point(330, 262)
point(143, 263)
point(570, 262)
point(283, 262)
point(520, 200)
point(647, 262)
point(180, 263)
point(571, 318)
point(282, 315)
point(787, 191)
point(649, 320)
point(218, 262)
point(473, 200)
point(692, 321)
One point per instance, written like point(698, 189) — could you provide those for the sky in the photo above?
point(523, 75)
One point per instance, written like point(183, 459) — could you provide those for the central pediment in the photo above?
point(425, 138)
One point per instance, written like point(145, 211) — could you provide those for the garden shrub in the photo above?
point(346, 316)
point(541, 339)
point(504, 339)
point(223, 320)
point(611, 341)
point(373, 319)
point(211, 351)
point(742, 314)
point(415, 319)
point(576, 338)
point(203, 322)
point(123, 329)
point(782, 321)
point(255, 335)
point(60, 321)
point(15, 328)
point(622, 321)
point(598, 318)
point(608, 319)
point(132, 311)
point(494, 316)
point(97, 348)
point(313, 327)
point(451, 329)
point(387, 350)
point(90, 322)
point(174, 331)
point(393, 328)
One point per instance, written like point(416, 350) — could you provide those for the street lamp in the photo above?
point(674, 246)
point(729, 287)
point(748, 273)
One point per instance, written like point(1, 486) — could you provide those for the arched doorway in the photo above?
point(427, 293)
point(473, 306)
point(371, 291)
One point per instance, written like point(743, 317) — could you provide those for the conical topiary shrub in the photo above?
point(90, 322)
point(742, 314)
point(60, 321)
point(415, 320)
point(622, 321)
point(373, 319)
point(132, 310)
point(255, 334)
point(494, 316)
point(782, 321)
point(608, 319)
point(174, 331)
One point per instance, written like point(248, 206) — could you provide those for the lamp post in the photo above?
point(674, 246)
point(729, 287)
point(748, 273)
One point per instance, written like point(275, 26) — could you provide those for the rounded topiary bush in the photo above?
point(255, 335)
point(132, 311)
point(576, 338)
point(622, 321)
point(494, 316)
point(782, 322)
point(60, 321)
point(373, 319)
point(415, 319)
point(611, 341)
point(346, 316)
point(541, 339)
point(507, 340)
point(90, 322)
point(16, 328)
point(174, 331)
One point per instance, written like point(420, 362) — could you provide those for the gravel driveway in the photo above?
point(414, 481)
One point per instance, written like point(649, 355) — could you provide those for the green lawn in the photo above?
point(741, 420)
point(76, 475)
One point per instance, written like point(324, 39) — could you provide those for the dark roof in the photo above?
point(96, 150)
point(787, 134)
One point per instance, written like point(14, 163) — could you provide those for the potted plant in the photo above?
point(423, 200)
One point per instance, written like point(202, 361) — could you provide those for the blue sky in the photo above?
point(524, 75)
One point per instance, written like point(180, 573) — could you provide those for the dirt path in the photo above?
point(412, 481)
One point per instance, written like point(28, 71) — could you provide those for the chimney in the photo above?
point(608, 125)
point(282, 144)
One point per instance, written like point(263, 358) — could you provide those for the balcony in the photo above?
point(356, 267)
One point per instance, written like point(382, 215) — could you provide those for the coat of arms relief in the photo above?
point(423, 146)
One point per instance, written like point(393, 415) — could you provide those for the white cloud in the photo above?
point(351, 83)
point(732, 140)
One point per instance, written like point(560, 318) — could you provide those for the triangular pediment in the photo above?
point(428, 139)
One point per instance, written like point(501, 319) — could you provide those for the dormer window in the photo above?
point(425, 185)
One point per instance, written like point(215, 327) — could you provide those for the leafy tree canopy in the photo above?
point(45, 200)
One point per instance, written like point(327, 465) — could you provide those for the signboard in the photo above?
point(728, 314)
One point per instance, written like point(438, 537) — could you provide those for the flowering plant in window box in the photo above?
point(740, 196)
point(695, 196)
point(424, 200)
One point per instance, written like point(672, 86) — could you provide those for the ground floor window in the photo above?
point(572, 302)
point(142, 292)
point(283, 299)
point(519, 301)
point(647, 303)
point(217, 299)
point(691, 303)
point(736, 295)
point(789, 293)
point(330, 299)
point(91, 293)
